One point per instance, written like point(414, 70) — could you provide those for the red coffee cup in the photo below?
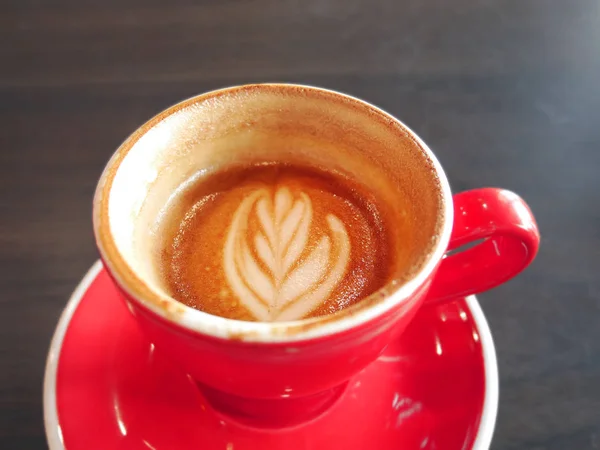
point(283, 373)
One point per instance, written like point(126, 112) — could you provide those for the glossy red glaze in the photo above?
point(115, 390)
point(511, 240)
point(283, 384)
point(275, 384)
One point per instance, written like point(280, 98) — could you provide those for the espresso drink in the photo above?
point(273, 242)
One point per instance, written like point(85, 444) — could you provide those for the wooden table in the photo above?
point(507, 93)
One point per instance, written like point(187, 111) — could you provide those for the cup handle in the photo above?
point(510, 242)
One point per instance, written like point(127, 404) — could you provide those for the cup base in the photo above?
point(272, 413)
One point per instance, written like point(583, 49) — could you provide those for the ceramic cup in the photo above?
point(280, 374)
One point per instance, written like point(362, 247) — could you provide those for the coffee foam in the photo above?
point(290, 288)
point(275, 243)
point(273, 123)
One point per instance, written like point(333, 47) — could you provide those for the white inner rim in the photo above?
point(54, 433)
point(199, 321)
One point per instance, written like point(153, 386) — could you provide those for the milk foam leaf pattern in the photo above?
point(277, 273)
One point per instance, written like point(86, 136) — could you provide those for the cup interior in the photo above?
point(257, 124)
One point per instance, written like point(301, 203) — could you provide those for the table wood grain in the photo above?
point(506, 92)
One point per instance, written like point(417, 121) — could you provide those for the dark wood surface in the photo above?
point(507, 93)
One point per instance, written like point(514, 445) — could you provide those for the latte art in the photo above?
point(273, 243)
point(275, 272)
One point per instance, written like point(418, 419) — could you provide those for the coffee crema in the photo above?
point(273, 242)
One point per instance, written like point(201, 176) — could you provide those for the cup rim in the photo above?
point(172, 311)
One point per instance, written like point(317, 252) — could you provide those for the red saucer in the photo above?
point(106, 388)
